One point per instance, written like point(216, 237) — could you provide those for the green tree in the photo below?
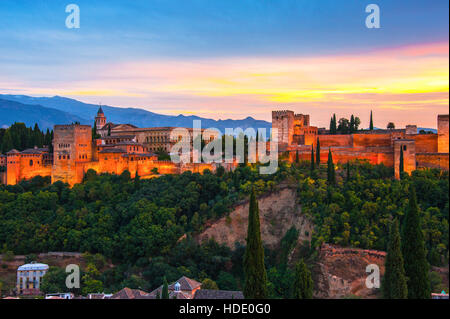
point(414, 254)
point(402, 162)
point(331, 176)
point(371, 122)
point(94, 131)
point(333, 125)
point(209, 284)
point(297, 160)
point(352, 124)
point(318, 153)
point(165, 289)
point(254, 268)
point(7, 143)
point(312, 158)
point(303, 283)
point(394, 280)
point(54, 281)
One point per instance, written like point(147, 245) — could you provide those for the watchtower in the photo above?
point(72, 145)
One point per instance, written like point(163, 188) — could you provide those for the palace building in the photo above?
point(120, 147)
point(296, 135)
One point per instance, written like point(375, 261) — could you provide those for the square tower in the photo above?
point(408, 147)
point(284, 122)
point(443, 133)
point(72, 145)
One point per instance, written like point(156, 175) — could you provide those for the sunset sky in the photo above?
point(234, 58)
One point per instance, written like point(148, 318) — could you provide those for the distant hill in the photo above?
point(11, 111)
point(139, 117)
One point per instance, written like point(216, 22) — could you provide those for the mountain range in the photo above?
point(48, 111)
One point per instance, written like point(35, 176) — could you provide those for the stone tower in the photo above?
point(13, 167)
point(284, 122)
point(443, 133)
point(409, 156)
point(100, 119)
point(72, 145)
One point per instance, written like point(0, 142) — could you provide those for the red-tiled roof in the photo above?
point(127, 293)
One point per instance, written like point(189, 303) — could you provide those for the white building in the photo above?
point(29, 277)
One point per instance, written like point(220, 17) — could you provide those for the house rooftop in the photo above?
point(218, 294)
point(33, 266)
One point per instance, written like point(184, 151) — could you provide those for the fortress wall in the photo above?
point(374, 158)
point(433, 160)
point(31, 166)
point(166, 167)
point(426, 143)
point(3, 178)
point(371, 140)
point(335, 140)
point(343, 155)
point(443, 134)
point(311, 139)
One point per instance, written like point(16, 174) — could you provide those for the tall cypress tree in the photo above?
point(318, 152)
point(394, 280)
point(414, 253)
point(371, 122)
point(297, 159)
point(312, 158)
point(352, 124)
point(165, 289)
point(94, 131)
point(333, 125)
point(402, 162)
point(303, 283)
point(254, 269)
point(331, 176)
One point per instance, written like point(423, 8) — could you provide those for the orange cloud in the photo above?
point(391, 80)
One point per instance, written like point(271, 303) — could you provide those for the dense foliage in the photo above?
point(137, 224)
point(20, 137)
point(137, 221)
point(357, 212)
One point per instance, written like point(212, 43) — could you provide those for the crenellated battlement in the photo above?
point(282, 113)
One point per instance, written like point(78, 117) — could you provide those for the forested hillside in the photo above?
point(138, 223)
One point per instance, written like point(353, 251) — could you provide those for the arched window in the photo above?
point(31, 162)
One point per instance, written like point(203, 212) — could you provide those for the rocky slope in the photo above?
point(341, 272)
point(279, 211)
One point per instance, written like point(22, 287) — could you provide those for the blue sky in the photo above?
point(38, 53)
